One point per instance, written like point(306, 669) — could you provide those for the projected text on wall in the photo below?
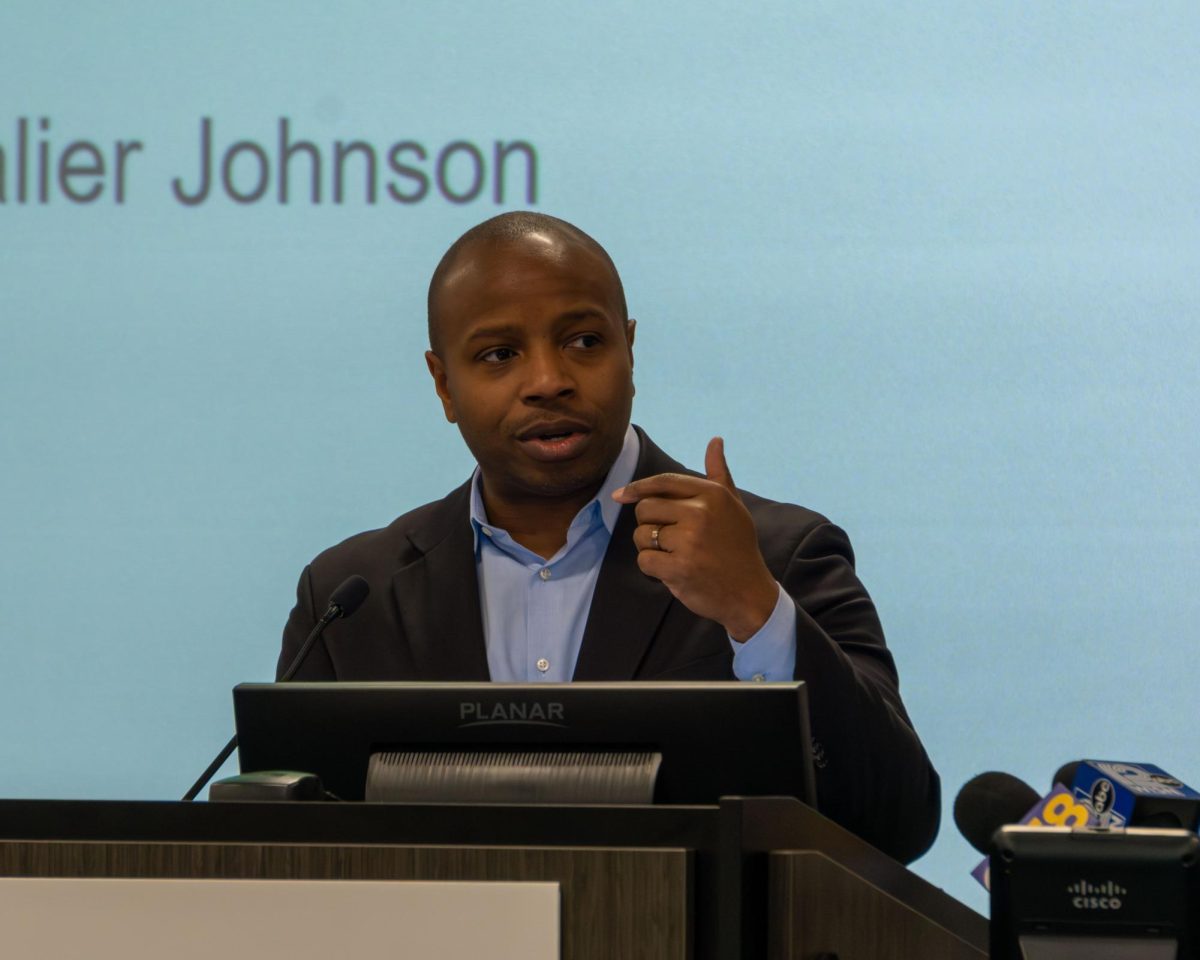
point(37, 167)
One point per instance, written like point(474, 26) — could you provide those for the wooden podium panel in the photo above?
point(628, 903)
point(746, 879)
point(818, 907)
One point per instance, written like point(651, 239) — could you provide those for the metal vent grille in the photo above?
point(508, 777)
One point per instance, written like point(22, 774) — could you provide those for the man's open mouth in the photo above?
point(555, 441)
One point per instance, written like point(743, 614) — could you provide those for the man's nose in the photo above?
point(548, 376)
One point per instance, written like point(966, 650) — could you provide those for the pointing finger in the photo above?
point(671, 485)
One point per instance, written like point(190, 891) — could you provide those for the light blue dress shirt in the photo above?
point(535, 610)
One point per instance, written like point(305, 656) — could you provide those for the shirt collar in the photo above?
point(619, 475)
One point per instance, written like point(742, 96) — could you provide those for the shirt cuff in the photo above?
point(769, 654)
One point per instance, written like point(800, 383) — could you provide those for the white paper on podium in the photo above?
point(99, 919)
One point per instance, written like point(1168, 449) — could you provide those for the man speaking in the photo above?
point(578, 550)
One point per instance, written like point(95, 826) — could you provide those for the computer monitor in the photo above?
point(714, 739)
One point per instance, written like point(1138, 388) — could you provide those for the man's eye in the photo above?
point(497, 355)
point(584, 341)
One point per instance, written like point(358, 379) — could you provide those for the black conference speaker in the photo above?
point(1088, 894)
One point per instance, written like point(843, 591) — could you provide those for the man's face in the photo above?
point(534, 362)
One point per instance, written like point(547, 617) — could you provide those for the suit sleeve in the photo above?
point(300, 623)
point(873, 775)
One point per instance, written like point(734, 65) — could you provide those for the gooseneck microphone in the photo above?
point(343, 602)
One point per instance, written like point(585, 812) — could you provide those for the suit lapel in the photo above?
point(627, 607)
point(437, 597)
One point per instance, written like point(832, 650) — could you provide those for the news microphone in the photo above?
point(1119, 794)
point(994, 800)
point(343, 602)
point(1065, 774)
point(989, 801)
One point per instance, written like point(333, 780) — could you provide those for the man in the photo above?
point(579, 550)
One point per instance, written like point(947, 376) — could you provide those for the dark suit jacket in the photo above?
point(422, 621)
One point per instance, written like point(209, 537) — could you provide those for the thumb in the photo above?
point(715, 467)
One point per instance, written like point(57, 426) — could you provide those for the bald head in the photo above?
point(510, 229)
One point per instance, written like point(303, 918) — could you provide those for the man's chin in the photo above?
point(562, 484)
point(559, 481)
point(518, 477)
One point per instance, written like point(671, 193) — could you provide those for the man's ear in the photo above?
point(437, 370)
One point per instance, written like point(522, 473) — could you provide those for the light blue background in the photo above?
point(933, 269)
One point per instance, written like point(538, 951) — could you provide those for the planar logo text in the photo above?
point(474, 714)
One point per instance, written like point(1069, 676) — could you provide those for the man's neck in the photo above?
point(538, 524)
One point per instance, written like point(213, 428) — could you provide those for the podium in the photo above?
point(746, 879)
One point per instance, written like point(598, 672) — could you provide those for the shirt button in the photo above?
point(759, 677)
point(543, 665)
point(485, 531)
point(544, 573)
